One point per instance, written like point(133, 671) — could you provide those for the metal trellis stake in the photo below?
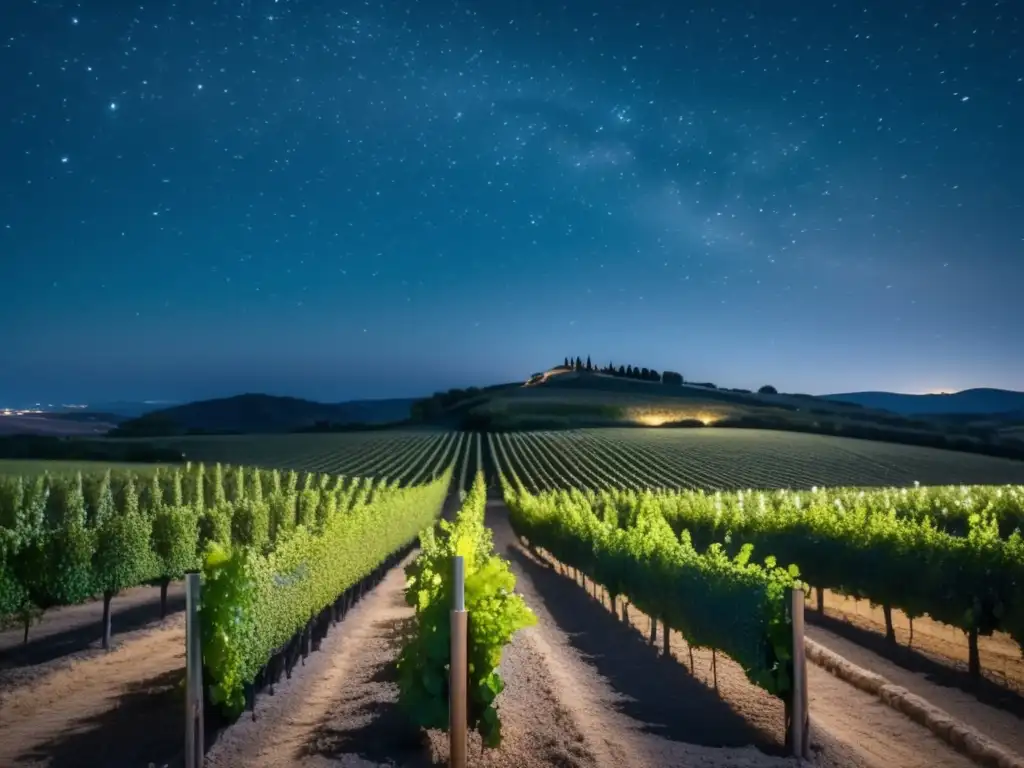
point(458, 706)
point(193, 675)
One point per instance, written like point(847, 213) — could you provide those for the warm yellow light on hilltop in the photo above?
point(660, 418)
point(650, 420)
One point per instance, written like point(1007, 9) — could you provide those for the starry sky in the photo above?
point(337, 199)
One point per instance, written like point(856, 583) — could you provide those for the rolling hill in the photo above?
point(256, 413)
point(970, 401)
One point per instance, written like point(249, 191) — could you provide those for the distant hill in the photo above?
point(969, 401)
point(256, 413)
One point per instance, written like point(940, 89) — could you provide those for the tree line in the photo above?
point(622, 371)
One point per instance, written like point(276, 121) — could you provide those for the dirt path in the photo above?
point(645, 711)
point(123, 708)
point(341, 708)
point(76, 629)
point(1004, 727)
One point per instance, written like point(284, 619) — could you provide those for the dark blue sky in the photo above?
point(342, 199)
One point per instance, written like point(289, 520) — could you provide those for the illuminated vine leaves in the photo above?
point(496, 613)
point(623, 541)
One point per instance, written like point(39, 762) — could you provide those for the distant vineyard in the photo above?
point(723, 459)
point(953, 552)
point(407, 458)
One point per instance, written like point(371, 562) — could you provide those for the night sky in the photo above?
point(336, 199)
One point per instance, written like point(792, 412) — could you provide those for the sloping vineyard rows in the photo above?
point(407, 458)
point(946, 552)
point(954, 553)
point(732, 460)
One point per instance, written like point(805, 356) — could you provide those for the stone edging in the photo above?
point(956, 733)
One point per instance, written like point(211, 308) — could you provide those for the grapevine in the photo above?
point(496, 613)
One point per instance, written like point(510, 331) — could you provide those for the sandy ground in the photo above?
point(76, 631)
point(65, 702)
point(1001, 657)
point(122, 708)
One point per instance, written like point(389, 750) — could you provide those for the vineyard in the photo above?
point(703, 532)
point(67, 538)
point(724, 459)
point(406, 458)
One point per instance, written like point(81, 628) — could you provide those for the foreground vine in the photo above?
point(496, 613)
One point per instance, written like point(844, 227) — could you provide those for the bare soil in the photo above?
point(65, 702)
point(933, 668)
point(122, 708)
point(74, 632)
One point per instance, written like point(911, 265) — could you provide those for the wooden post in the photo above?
point(193, 675)
point(800, 736)
point(458, 683)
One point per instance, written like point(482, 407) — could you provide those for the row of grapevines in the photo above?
point(951, 508)
point(889, 546)
point(259, 590)
point(65, 539)
point(715, 601)
point(496, 613)
point(68, 538)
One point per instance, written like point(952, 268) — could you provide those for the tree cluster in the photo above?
point(437, 404)
point(78, 449)
point(622, 371)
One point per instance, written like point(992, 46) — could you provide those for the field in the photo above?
point(735, 459)
point(584, 688)
point(31, 468)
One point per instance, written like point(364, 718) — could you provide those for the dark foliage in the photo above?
point(351, 426)
point(75, 449)
point(255, 413)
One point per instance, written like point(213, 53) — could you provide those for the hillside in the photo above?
point(567, 399)
point(980, 401)
point(256, 413)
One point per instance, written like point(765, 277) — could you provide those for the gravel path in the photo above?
point(1002, 662)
